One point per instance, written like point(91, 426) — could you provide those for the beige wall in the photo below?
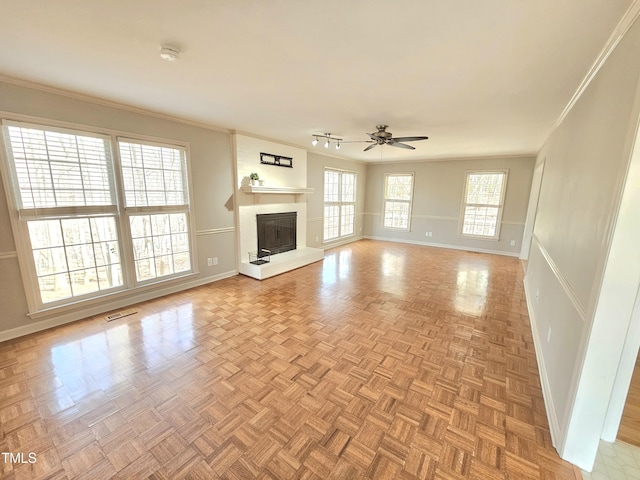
point(437, 199)
point(316, 163)
point(578, 340)
point(212, 180)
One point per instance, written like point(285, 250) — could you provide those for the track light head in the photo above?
point(328, 139)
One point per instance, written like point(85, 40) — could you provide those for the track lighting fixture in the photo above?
point(328, 139)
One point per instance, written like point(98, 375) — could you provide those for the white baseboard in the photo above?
point(105, 307)
point(443, 245)
point(552, 417)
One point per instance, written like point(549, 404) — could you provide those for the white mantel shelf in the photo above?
point(281, 190)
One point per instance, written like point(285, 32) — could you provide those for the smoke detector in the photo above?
point(170, 54)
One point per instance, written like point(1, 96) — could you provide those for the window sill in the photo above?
point(397, 229)
point(479, 237)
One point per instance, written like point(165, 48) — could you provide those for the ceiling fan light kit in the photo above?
point(381, 137)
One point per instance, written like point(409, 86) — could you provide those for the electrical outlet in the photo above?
point(214, 260)
point(428, 234)
point(209, 262)
point(431, 234)
point(513, 243)
point(537, 295)
point(317, 239)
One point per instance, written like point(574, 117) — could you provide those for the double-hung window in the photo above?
point(339, 204)
point(483, 202)
point(95, 219)
point(157, 207)
point(398, 194)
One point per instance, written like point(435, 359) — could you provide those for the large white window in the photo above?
point(398, 194)
point(339, 204)
point(66, 189)
point(483, 202)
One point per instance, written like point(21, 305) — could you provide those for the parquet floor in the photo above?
point(629, 430)
point(385, 361)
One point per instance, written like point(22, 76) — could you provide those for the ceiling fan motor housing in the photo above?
point(382, 137)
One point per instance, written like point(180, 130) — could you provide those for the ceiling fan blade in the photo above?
point(409, 139)
point(370, 147)
point(401, 145)
point(372, 137)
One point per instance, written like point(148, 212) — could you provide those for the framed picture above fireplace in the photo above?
point(277, 160)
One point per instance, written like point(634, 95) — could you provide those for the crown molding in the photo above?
point(625, 23)
point(265, 139)
point(515, 156)
point(107, 103)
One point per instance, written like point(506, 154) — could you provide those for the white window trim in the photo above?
point(37, 309)
point(339, 203)
point(410, 201)
point(463, 204)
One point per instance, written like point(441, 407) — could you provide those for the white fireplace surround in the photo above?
point(285, 191)
point(282, 262)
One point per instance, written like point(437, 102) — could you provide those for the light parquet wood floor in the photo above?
point(629, 430)
point(384, 361)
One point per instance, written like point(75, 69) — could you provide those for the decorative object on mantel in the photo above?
point(277, 160)
point(381, 137)
point(254, 178)
point(256, 259)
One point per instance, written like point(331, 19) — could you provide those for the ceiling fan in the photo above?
point(382, 137)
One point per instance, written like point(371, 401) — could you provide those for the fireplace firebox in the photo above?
point(276, 232)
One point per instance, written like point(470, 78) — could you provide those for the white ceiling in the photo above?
point(479, 78)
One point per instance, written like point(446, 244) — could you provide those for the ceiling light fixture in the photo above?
point(170, 54)
point(328, 139)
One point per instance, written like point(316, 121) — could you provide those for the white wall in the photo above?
point(579, 310)
point(249, 205)
point(248, 151)
point(212, 181)
point(437, 199)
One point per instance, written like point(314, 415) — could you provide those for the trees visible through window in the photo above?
point(339, 204)
point(398, 193)
point(155, 183)
point(66, 189)
point(483, 202)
